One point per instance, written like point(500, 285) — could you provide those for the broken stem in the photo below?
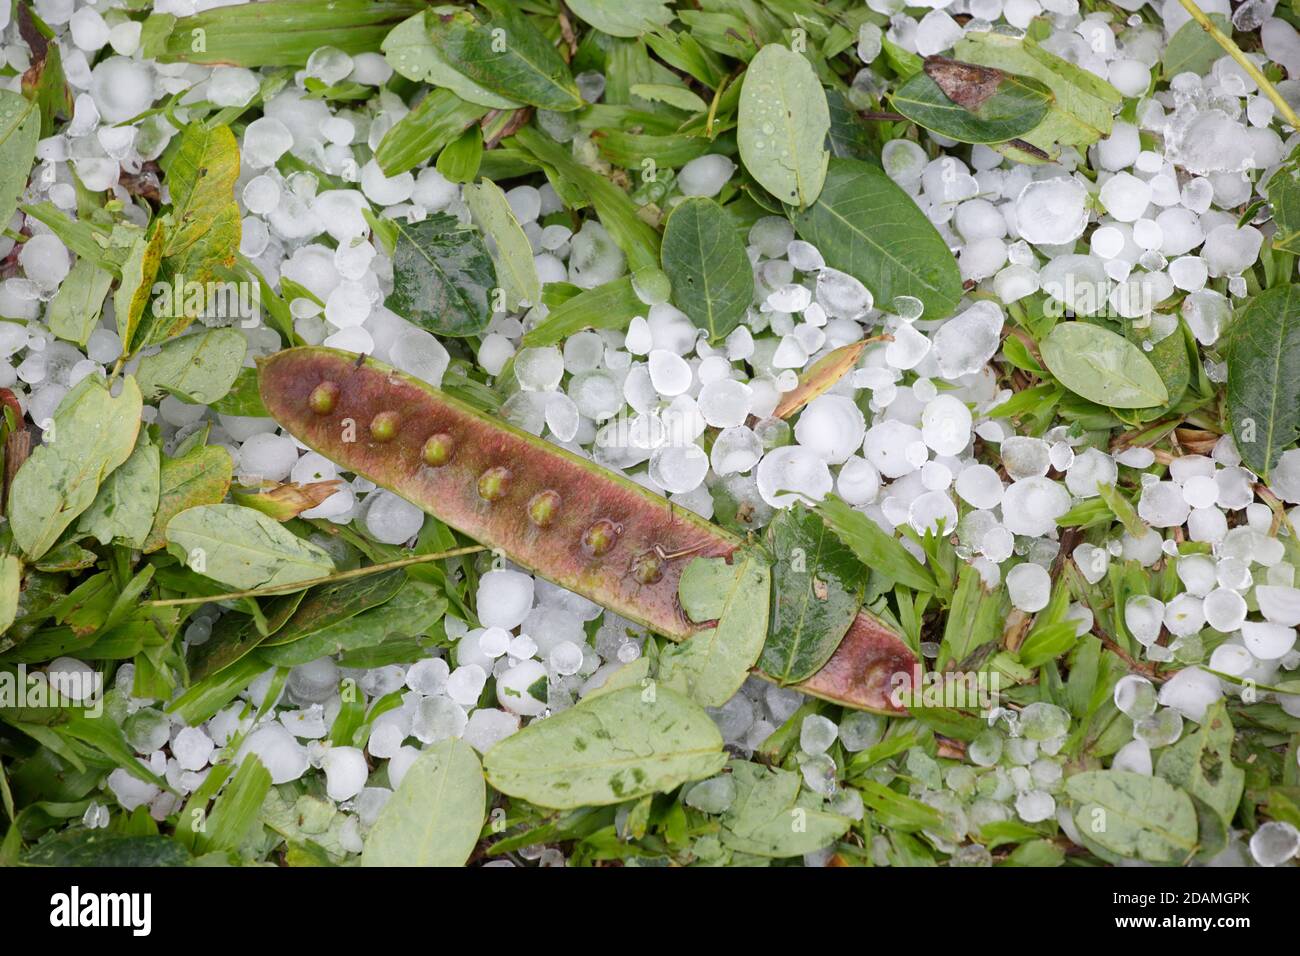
point(327, 579)
point(1234, 51)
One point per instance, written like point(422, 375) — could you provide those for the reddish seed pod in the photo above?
point(601, 537)
point(324, 397)
point(542, 507)
point(437, 450)
point(383, 427)
point(647, 568)
point(493, 483)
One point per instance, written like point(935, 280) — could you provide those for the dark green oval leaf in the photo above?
point(1264, 377)
point(442, 276)
point(704, 257)
point(1102, 366)
point(972, 104)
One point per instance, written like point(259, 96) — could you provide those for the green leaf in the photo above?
point(506, 55)
point(1201, 763)
point(201, 182)
point(139, 270)
point(242, 398)
point(711, 665)
point(74, 311)
point(198, 477)
point(1084, 106)
point(436, 120)
point(818, 589)
point(783, 121)
point(243, 548)
point(514, 255)
point(198, 368)
point(865, 225)
point(442, 276)
point(1134, 816)
point(92, 434)
point(608, 749)
point(972, 104)
point(676, 96)
point(765, 820)
point(11, 576)
point(415, 608)
point(1283, 190)
point(333, 603)
point(608, 306)
point(123, 510)
point(1264, 377)
point(1192, 50)
point(876, 548)
point(435, 816)
point(624, 18)
point(104, 848)
point(411, 52)
point(273, 32)
point(704, 257)
point(20, 128)
point(1102, 366)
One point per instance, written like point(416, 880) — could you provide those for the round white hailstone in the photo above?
point(964, 344)
point(1200, 491)
point(1135, 696)
point(494, 352)
point(122, 88)
point(400, 763)
point(89, 31)
point(832, 426)
point(278, 750)
point(1025, 457)
point(488, 726)
point(596, 394)
point(936, 476)
point(1162, 505)
point(45, 260)
point(1032, 505)
point(418, 353)
point(907, 349)
point(1030, 587)
point(348, 305)
point(562, 416)
point(705, 175)
point(1052, 211)
point(391, 519)
point(1125, 197)
point(842, 295)
point(886, 444)
point(1144, 616)
point(858, 482)
point(345, 772)
point(1196, 571)
point(385, 190)
point(789, 298)
point(192, 748)
point(979, 219)
point(946, 425)
point(1133, 757)
point(1267, 641)
point(232, 86)
point(1034, 806)
point(522, 689)
point(1185, 615)
point(465, 684)
point(340, 212)
point(1275, 843)
point(130, 791)
point(997, 545)
point(434, 191)
point(792, 473)
point(804, 256)
point(669, 373)
point(1092, 562)
point(932, 513)
point(440, 718)
point(678, 469)
point(726, 403)
point(72, 679)
point(735, 450)
point(979, 486)
point(504, 598)
point(1279, 604)
point(265, 140)
point(1229, 251)
point(267, 456)
point(1120, 149)
point(428, 676)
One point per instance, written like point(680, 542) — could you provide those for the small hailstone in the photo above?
point(465, 684)
point(816, 734)
point(391, 519)
point(1052, 211)
point(1030, 587)
point(522, 688)
point(669, 373)
point(1133, 757)
point(705, 175)
point(833, 427)
point(1160, 729)
point(504, 598)
point(726, 402)
point(1276, 842)
point(280, 753)
point(1032, 505)
point(1190, 692)
point(804, 256)
point(792, 473)
point(714, 795)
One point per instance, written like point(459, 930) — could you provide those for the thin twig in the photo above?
point(1146, 670)
point(327, 579)
point(1234, 51)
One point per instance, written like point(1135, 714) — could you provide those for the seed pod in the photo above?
point(547, 509)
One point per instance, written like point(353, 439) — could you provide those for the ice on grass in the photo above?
point(278, 750)
point(705, 175)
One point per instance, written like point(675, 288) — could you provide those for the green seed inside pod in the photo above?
point(542, 507)
point(647, 568)
point(600, 537)
point(323, 398)
point(383, 427)
point(437, 450)
point(492, 483)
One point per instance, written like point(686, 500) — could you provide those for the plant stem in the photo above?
point(1246, 63)
point(327, 579)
